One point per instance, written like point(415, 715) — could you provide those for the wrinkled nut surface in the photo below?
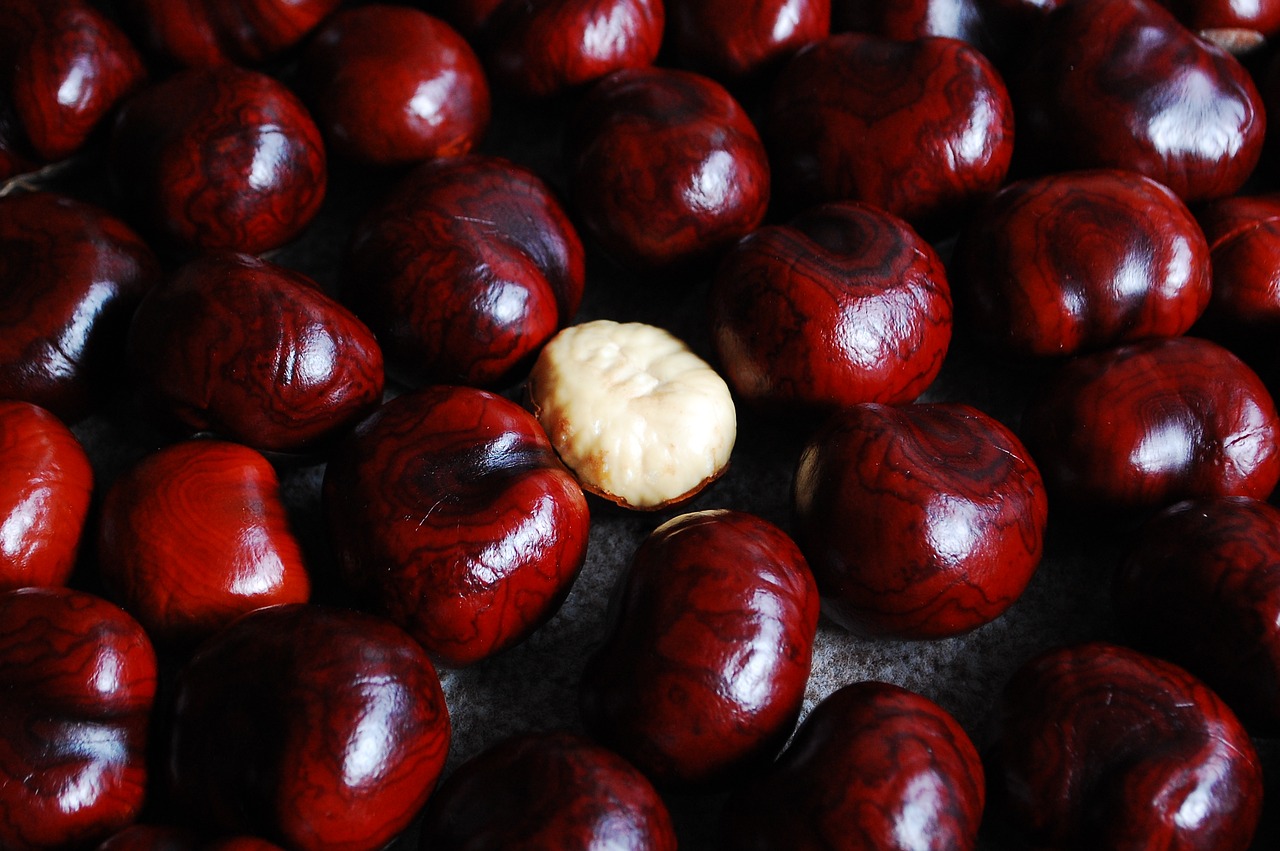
point(639, 418)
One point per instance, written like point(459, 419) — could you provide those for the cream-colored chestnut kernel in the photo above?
point(637, 416)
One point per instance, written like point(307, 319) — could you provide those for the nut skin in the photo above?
point(1120, 84)
point(219, 158)
point(66, 67)
point(1081, 261)
point(256, 353)
point(874, 766)
point(922, 129)
point(844, 304)
point(364, 74)
point(77, 682)
point(907, 20)
point(449, 508)
point(1146, 425)
point(1260, 20)
point(340, 726)
point(703, 669)
point(666, 167)
point(733, 41)
point(157, 838)
point(45, 486)
point(547, 792)
point(1201, 587)
point(71, 276)
point(208, 33)
point(919, 522)
point(196, 535)
point(465, 271)
point(1099, 746)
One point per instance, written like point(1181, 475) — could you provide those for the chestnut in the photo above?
point(254, 352)
point(71, 275)
point(1121, 84)
point(206, 33)
point(872, 766)
point(922, 521)
point(1149, 424)
point(449, 508)
point(159, 838)
point(1081, 261)
point(907, 20)
point(1201, 587)
point(219, 158)
point(667, 169)
point(703, 670)
point(338, 726)
point(195, 535)
point(843, 304)
point(45, 485)
point(390, 85)
point(77, 683)
point(548, 791)
point(1103, 747)
point(1238, 28)
point(731, 41)
point(464, 271)
point(922, 129)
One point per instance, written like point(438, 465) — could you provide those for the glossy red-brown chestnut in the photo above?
point(219, 159)
point(254, 352)
point(63, 67)
point(730, 40)
point(1081, 261)
point(844, 304)
point(907, 20)
point(163, 838)
point(666, 167)
point(1121, 84)
point(464, 271)
point(919, 522)
point(1152, 423)
point(1201, 587)
point(921, 128)
point(45, 485)
point(391, 85)
point(71, 276)
point(320, 729)
point(1101, 747)
point(1234, 26)
point(547, 792)
point(205, 33)
point(550, 46)
point(703, 669)
point(77, 682)
point(196, 535)
point(873, 766)
point(450, 509)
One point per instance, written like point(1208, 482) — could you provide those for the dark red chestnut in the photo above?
point(666, 167)
point(391, 85)
point(547, 792)
point(449, 508)
point(319, 729)
point(1234, 26)
point(919, 522)
point(219, 159)
point(77, 681)
point(703, 670)
point(157, 838)
point(1201, 587)
point(63, 68)
point(844, 304)
point(922, 129)
point(465, 271)
point(1155, 422)
point(254, 352)
point(222, 32)
point(907, 20)
point(1121, 84)
point(1079, 261)
point(1102, 747)
point(45, 485)
point(71, 276)
point(873, 766)
point(730, 40)
point(196, 535)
